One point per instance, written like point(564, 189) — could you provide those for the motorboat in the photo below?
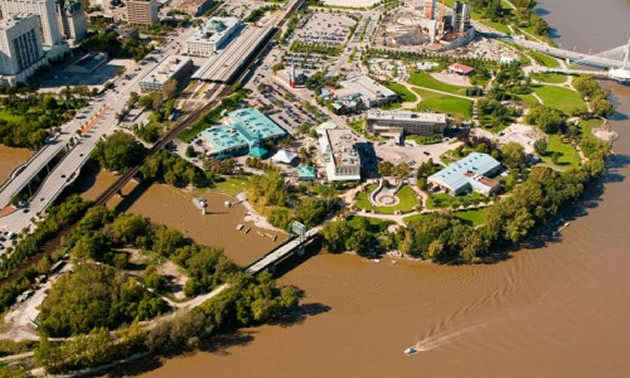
point(411, 350)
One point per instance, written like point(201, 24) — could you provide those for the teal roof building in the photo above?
point(246, 133)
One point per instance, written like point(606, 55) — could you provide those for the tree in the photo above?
point(541, 146)
point(335, 234)
point(514, 154)
point(118, 152)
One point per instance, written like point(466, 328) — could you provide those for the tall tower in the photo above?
point(45, 9)
point(20, 43)
point(429, 9)
point(72, 22)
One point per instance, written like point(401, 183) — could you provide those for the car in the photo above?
point(426, 153)
point(25, 211)
point(63, 176)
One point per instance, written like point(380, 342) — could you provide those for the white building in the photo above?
point(339, 153)
point(372, 93)
point(45, 9)
point(72, 22)
point(173, 68)
point(211, 36)
point(399, 123)
point(21, 50)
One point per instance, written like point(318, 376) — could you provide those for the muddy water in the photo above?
point(11, 158)
point(560, 310)
point(174, 208)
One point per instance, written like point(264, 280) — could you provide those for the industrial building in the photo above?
point(246, 132)
point(339, 152)
point(471, 173)
point(172, 68)
point(211, 36)
point(461, 18)
point(372, 93)
point(46, 10)
point(228, 64)
point(21, 50)
point(399, 123)
point(195, 8)
point(142, 12)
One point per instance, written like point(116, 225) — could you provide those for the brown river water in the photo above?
point(11, 158)
point(559, 310)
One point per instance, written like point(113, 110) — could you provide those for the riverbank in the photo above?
point(11, 157)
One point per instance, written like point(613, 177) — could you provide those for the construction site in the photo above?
point(428, 24)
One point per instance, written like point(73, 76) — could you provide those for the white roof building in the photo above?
point(372, 92)
point(211, 36)
point(284, 157)
point(339, 152)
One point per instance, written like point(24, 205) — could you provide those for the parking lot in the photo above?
point(326, 29)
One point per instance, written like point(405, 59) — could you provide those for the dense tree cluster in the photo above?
point(118, 151)
point(95, 296)
point(27, 119)
point(385, 168)
point(549, 120)
point(173, 170)
point(109, 43)
point(598, 98)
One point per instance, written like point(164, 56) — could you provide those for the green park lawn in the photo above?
point(472, 217)
point(231, 186)
point(7, 116)
point(545, 60)
point(550, 77)
point(443, 200)
point(563, 99)
point(408, 201)
point(589, 141)
point(374, 225)
point(567, 155)
point(424, 79)
point(528, 100)
point(405, 94)
point(436, 102)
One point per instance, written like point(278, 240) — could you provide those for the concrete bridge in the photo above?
point(280, 253)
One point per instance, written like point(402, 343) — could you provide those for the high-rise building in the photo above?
point(20, 44)
point(429, 9)
point(142, 12)
point(461, 19)
point(45, 9)
point(72, 20)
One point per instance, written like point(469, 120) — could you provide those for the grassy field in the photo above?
point(472, 217)
point(405, 94)
point(589, 141)
point(424, 79)
point(231, 186)
point(375, 225)
point(425, 140)
point(563, 99)
point(567, 155)
point(443, 200)
point(528, 100)
point(407, 196)
point(545, 60)
point(6, 116)
point(550, 77)
point(436, 102)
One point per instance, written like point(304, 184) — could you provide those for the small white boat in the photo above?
point(248, 230)
point(239, 227)
point(410, 351)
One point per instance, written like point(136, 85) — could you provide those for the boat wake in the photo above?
point(432, 342)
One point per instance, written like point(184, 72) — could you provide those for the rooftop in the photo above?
point(365, 86)
point(342, 144)
point(455, 176)
point(167, 69)
point(398, 115)
point(224, 138)
point(214, 29)
point(461, 68)
point(254, 125)
point(13, 19)
point(306, 172)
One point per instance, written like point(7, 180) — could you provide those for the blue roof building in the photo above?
point(468, 174)
point(247, 132)
point(306, 172)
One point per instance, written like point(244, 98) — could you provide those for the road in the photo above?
point(107, 106)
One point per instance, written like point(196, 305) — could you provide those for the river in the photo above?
point(10, 158)
point(558, 310)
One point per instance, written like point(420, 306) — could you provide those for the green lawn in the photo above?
point(405, 94)
point(231, 186)
point(528, 100)
point(472, 217)
point(589, 141)
point(550, 77)
point(443, 200)
point(567, 155)
point(560, 98)
point(375, 225)
point(7, 116)
point(413, 218)
point(436, 102)
point(407, 196)
point(425, 140)
point(424, 79)
point(545, 60)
